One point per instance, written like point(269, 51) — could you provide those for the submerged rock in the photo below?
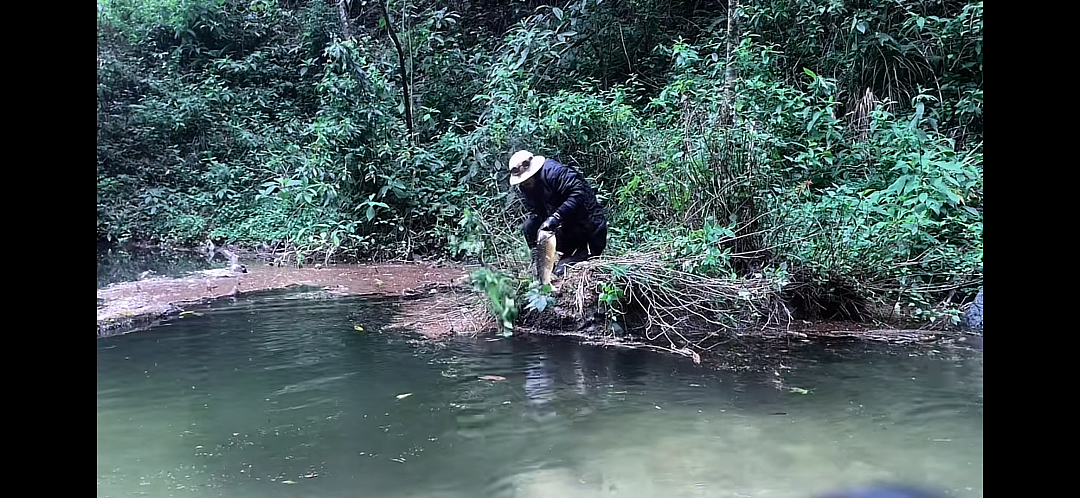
point(973, 317)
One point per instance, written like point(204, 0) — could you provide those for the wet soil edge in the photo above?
point(123, 323)
point(127, 307)
point(411, 282)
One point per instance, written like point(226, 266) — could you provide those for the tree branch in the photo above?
point(343, 15)
point(729, 74)
point(401, 69)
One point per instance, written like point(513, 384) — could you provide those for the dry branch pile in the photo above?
point(666, 307)
point(656, 306)
point(446, 314)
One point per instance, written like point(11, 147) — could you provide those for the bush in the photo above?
point(853, 152)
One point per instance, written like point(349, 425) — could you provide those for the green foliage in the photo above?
point(855, 147)
point(469, 239)
point(894, 50)
point(502, 296)
point(913, 224)
point(539, 297)
point(610, 297)
point(702, 250)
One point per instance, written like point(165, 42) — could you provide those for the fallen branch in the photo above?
point(670, 308)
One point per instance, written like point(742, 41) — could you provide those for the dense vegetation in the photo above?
point(838, 142)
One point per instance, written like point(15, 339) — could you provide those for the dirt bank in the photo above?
point(129, 306)
point(461, 312)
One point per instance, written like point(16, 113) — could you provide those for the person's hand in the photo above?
point(550, 224)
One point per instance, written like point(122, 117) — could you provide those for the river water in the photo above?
point(281, 395)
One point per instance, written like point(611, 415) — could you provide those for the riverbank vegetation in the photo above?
point(827, 152)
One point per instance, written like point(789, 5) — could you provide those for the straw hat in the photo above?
point(523, 165)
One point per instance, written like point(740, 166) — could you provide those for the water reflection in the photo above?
point(278, 397)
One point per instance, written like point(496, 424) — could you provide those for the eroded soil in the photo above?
point(128, 306)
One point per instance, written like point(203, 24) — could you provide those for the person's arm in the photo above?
point(568, 182)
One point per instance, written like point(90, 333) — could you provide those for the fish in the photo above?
point(545, 256)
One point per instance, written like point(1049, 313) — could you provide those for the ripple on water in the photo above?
point(270, 398)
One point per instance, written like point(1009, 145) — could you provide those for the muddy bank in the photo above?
point(461, 312)
point(449, 307)
point(129, 306)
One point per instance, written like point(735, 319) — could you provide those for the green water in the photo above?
point(280, 396)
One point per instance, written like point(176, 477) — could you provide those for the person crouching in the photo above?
point(559, 200)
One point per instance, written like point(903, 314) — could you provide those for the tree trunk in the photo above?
point(738, 172)
point(343, 14)
point(729, 75)
point(401, 70)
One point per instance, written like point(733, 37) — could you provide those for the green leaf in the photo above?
point(911, 185)
point(813, 121)
point(946, 191)
point(919, 109)
point(524, 55)
point(898, 185)
point(861, 26)
point(809, 73)
point(557, 11)
point(921, 21)
point(538, 303)
point(370, 212)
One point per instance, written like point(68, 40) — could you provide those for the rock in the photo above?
point(973, 317)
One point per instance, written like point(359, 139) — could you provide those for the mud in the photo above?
point(129, 306)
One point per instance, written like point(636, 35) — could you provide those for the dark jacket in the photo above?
point(563, 190)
